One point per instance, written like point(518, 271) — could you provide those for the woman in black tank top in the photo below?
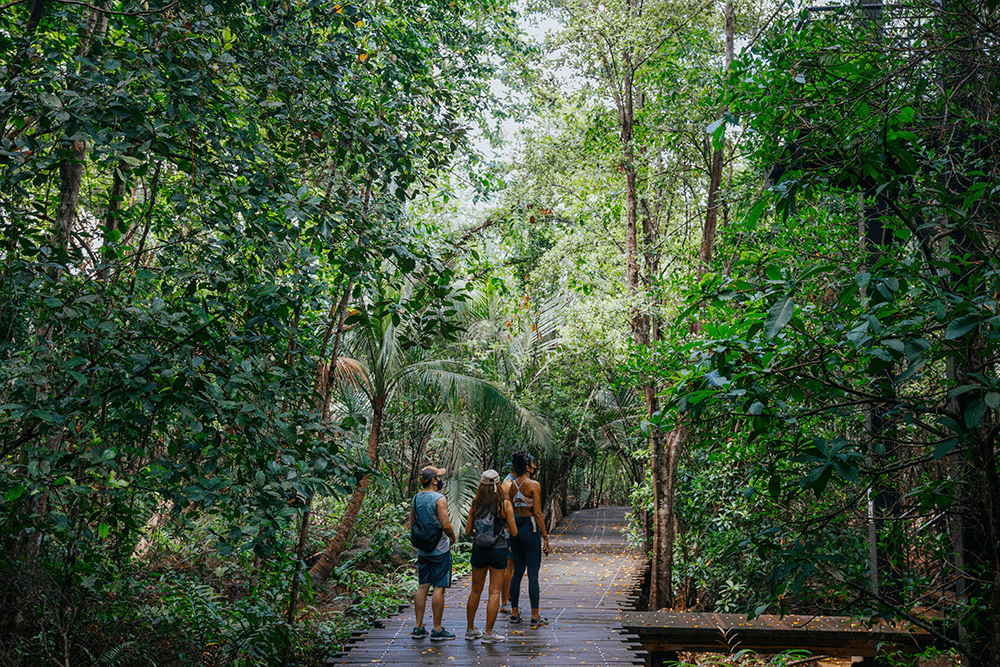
point(532, 538)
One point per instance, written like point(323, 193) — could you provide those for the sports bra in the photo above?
point(520, 500)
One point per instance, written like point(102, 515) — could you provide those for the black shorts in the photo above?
point(495, 557)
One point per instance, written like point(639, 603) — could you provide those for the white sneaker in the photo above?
point(473, 634)
point(493, 638)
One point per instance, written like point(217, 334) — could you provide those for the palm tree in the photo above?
point(379, 367)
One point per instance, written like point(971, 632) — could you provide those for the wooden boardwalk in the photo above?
point(664, 633)
point(584, 582)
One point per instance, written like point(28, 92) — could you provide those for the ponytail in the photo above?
point(520, 461)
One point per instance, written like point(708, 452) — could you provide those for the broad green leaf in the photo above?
point(943, 448)
point(778, 316)
point(50, 100)
point(974, 413)
point(961, 326)
point(774, 487)
point(715, 379)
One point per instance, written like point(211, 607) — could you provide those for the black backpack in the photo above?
point(424, 536)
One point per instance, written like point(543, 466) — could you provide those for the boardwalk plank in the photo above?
point(584, 582)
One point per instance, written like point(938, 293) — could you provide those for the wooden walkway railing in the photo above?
point(584, 582)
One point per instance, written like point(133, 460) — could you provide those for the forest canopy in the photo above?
point(734, 265)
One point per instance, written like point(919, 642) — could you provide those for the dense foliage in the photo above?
point(192, 197)
point(253, 276)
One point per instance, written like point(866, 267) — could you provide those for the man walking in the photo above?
point(433, 567)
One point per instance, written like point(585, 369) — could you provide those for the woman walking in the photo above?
point(526, 495)
point(490, 518)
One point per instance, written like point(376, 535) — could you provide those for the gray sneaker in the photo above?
point(473, 634)
point(493, 638)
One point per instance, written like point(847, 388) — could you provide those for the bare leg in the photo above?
point(437, 606)
point(493, 602)
point(420, 603)
point(475, 593)
point(505, 582)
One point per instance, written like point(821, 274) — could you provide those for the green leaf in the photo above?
point(715, 379)
point(974, 413)
point(992, 400)
point(749, 221)
point(774, 487)
point(50, 100)
point(961, 326)
point(943, 448)
point(103, 530)
point(778, 316)
point(13, 493)
point(45, 416)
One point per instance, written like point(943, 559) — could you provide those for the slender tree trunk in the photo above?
point(70, 178)
point(884, 497)
point(986, 461)
point(716, 165)
point(661, 595)
point(329, 369)
point(322, 569)
point(119, 183)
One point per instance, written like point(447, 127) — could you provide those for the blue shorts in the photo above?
point(435, 570)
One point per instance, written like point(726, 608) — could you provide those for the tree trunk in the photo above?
point(111, 231)
point(331, 556)
point(884, 497)
point(661, 594)
point(716, 166)
point(70, 177)
point(327, 370)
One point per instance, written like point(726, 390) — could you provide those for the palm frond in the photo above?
point(461, 487)
point(482, 397)
point(353, 373)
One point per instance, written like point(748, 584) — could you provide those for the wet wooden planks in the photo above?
point(663, 631)
point(584, 581)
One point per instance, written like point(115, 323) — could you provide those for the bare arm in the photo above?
point(508, 514)
point(444, 520)
point(536, 510)
point(468, 524)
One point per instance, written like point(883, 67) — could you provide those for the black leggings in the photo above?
point(527, 553)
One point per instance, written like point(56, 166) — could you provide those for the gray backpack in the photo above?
point(488, 540)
